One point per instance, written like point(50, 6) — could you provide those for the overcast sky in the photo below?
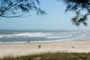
point(56, 19)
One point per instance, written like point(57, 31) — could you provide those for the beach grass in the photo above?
point(51, 56)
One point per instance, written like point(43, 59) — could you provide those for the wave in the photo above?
point(38, 34)
point(65, 36)
point(80, 37)
point(25, 37)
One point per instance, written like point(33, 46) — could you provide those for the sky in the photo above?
point(55, 19)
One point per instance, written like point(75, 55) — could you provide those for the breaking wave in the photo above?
point(20, 37)
point(38, 34)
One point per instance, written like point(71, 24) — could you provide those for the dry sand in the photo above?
point(9, 49)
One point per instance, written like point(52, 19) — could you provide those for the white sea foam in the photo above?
point(65, 36)
point(15, 42)
point(82, 36)
point(38, 34)
point(43, 36)
point(1, 36)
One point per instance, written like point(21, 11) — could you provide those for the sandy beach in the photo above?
point(14, 49)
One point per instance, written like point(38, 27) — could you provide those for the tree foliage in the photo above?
point(78, 6)
point(15, 8)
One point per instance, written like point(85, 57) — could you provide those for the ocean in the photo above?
point(27, 36)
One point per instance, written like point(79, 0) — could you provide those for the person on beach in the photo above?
point(39, 46)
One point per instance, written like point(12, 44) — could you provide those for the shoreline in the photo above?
point(17, 49)
point(50, 41)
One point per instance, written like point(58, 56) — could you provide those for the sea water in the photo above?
point(27, 36)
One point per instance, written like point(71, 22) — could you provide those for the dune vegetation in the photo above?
point(51, 56)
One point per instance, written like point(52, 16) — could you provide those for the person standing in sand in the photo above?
point(39, 46)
